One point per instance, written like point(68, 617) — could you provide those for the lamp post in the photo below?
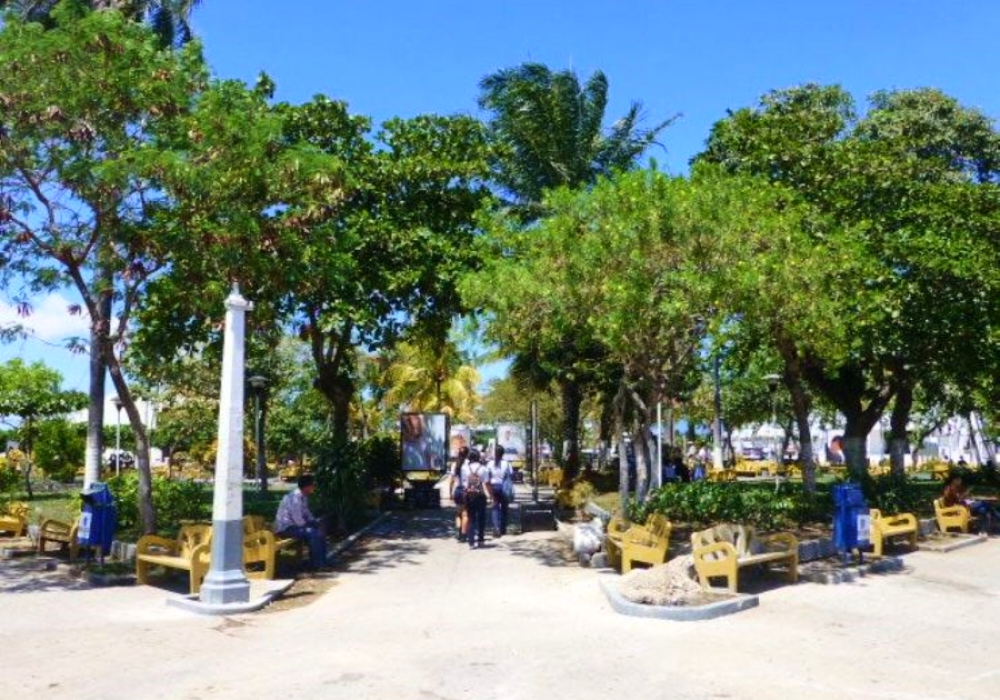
point(259, 384)
point(772, 387)
point(118, 437)
point(717, 463)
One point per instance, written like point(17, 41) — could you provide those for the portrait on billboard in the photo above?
point(511, 437)
point(424, 441)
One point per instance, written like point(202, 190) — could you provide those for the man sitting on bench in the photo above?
point(294, 519)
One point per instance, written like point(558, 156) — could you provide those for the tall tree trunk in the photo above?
point(899, 443)
point(862, 404)
point(801, 408)
point(858, 424)
point(28, 447)
point(332, 356)
point(147, 510)
point(572, 397)
point(99, 328)
point(619, 436)
point(338, 388)
point(640, 446)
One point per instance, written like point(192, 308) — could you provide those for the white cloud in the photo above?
point(50, 319)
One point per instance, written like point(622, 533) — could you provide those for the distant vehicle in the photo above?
point(753, 453)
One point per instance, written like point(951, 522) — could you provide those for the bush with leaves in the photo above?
point(703, 503)
point(898, 494)
point(341, 485)
point(345, 474)
point(59, 449)
point(175, 501)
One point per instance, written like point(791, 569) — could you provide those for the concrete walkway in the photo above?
point(416, 615)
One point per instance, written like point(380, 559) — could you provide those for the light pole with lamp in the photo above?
point(118, 437)
point(259, 384)
point(772, 387)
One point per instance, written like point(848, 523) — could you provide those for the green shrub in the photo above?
point(703, 503)
point(898, 494)
point(174, 501)
point(59, 449)
point(341, 485)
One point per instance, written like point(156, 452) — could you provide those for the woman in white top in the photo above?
point(501, 489)
point(457, 491)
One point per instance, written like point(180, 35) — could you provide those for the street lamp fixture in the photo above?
point(773, 380)
point(118, 436)
point(259, 384)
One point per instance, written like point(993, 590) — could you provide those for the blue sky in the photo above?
point(687, 57)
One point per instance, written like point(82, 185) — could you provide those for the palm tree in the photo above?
point(548, 131)
point(433, 377)
point(168, 18)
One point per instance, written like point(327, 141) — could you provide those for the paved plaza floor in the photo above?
point(414, 614)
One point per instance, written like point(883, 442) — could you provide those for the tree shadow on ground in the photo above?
point(399, 539)
point(37, 575)
point(551, 549)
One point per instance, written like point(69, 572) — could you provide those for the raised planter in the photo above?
point(727, 604)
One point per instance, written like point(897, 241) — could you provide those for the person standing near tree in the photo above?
point(501, 490)
point(474, 479)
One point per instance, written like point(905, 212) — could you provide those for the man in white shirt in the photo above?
point(294, 519)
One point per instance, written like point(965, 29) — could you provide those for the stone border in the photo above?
point(851, 573)
point(948, 542)
point(678, 613)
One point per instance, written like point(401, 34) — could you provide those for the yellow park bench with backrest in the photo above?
point(14, 519)
point(62, 533)
point(617, 526)
point(949, 518)
point(261, 547)
point(884, 527)
point(191, 551)
point(554, 477)
point(646, 544)
point(721, 551)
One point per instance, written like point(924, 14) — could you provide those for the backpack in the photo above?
point(473, 486)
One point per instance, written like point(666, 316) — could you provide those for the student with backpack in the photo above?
point(457, 491)
point(474, 479)
point(501, 489)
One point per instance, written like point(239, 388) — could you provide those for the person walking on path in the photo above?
point(501, 490)
point(294, 519)
point(457, 491)
point(475, 480)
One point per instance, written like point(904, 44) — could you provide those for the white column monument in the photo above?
point(225, 582)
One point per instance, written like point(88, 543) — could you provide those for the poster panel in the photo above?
point(460, 436)
point(424, 441)
point(512, 437)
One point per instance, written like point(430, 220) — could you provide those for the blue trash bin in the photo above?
point(98, 518)
point(851, 518)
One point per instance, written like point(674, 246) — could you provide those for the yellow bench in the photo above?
point(261, 547)
point(554, 477)
point(15, 519)
point(613, 540)
point(191, 552)
point(951, 517)
point(62, 533)
point(646, 544)
point(721, 551)
point(885, 526)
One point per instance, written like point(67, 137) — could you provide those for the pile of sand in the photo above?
point(673, 583)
